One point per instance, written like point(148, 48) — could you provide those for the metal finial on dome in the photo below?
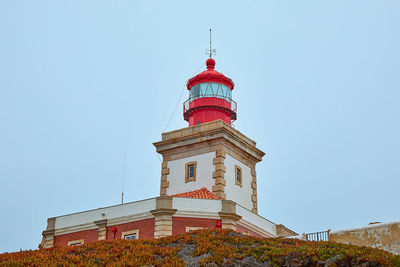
point(211, 51)
point(210, 64)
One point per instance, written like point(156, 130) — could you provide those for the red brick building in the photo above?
point(208, 179)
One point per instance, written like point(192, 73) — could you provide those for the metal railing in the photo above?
point(318, 236)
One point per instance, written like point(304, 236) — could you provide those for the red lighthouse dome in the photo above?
point(210, 97)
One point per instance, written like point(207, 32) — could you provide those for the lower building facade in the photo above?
point(155, 218)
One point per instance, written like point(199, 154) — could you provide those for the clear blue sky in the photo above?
point(81, 82)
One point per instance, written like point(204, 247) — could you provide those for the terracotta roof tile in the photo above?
point(201, 193)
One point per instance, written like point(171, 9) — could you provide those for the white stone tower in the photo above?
point(210, 153)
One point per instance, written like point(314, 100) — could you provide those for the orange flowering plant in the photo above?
point(205, 247)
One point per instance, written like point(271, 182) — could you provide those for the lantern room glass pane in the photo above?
point(210, 90)
point(195, 92)
point(215, 87)
point(203, 87)
point(229, 93)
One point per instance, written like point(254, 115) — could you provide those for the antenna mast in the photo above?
point(123, 180)
point(210, 44)
point(211, 51)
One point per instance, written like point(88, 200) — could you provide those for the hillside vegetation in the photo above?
point(205, 248)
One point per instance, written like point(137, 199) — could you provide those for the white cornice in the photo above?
point(205, 132)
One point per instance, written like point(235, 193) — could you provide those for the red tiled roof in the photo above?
point(201, 193)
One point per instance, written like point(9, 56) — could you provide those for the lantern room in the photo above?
point(210, 97)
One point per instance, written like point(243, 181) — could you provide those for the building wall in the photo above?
point(204, 174)
point(384, 236)
point(88, 236)
point(146, 230)
point(179, 224)
point(240, 194)
point(145, 227)
point(197, 205)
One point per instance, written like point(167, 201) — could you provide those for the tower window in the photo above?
point(238, 175)
point(190, 171)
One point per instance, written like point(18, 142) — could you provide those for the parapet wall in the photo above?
point(384, 236)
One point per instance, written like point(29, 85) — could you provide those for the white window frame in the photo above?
point(187, 172)
point(193, 228)
point(130, 232)
point(239, 183)
point(76, 242)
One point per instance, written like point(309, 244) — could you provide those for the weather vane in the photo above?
point(211, 51)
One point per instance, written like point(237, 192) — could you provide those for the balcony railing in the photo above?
point(318, 236)
point(209, 101)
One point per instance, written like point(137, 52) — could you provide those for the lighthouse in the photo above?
point(208, 179)
point(210, 153)
point(210, 97)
